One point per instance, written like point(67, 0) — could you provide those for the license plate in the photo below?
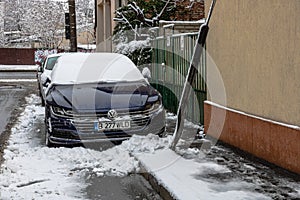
point(113, 125)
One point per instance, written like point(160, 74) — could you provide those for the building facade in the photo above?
point(105, 10)
point(255, 45)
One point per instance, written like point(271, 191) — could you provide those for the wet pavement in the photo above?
point(17, 75)
point(129, 187)
point(267, 179)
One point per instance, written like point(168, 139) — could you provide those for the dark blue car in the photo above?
point(100, 97)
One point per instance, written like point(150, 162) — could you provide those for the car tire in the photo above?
point(40, 94)
point(42, 100)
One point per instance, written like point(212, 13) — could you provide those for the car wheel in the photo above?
point(40, 94)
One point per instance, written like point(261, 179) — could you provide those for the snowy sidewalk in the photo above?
point(18, 68)
point(184, 179)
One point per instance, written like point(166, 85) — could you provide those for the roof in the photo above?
point(94, 67)
point(57, 54)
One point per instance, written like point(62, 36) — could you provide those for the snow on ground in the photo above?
point(180, 177)
point(187, 123)
point(34, 171)
point(18, 67)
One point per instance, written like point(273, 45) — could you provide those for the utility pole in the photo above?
point(73, 34)
point(192, 72)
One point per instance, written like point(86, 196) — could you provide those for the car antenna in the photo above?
point(198, 51)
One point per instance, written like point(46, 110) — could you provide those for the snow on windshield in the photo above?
point(94, 67)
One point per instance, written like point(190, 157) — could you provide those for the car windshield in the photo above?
point(51, 62)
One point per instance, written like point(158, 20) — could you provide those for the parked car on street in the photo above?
point(94, 97)
point(44, 73)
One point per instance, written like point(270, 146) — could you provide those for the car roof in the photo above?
point(78, 68)
point(53, 55)
point(56, 55)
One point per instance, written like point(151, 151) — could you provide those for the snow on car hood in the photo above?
point(94, 67)
point(100, 97)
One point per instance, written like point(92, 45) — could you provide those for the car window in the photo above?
point(51, 62)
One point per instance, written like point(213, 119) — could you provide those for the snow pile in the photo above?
point(145, 144)
point(112, 162)
point(187, 123)
point(32, 171)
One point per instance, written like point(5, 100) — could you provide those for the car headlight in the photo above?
point(58, 110)
point(61, 112)
point(154, 102)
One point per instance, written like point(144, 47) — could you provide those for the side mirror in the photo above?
point(146, 73)
point(46, 82)
point(40, 69)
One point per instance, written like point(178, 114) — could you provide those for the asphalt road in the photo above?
point(12, 94)
point(17, 75)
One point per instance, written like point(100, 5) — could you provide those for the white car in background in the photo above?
point(44, 73)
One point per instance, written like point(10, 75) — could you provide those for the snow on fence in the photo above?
point(170, 62)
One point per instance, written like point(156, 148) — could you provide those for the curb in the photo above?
point(159, 188)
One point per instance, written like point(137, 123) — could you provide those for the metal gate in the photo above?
point(171, 57)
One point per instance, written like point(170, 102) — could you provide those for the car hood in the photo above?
point(101, 96)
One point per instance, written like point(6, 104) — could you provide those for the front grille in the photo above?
point(88, 125)
point(92, 115)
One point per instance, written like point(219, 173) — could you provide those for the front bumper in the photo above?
point(63, 131)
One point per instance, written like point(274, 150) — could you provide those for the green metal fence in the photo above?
point(170, 62)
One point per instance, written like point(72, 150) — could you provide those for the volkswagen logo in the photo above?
point(112, 114)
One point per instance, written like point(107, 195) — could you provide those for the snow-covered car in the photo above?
point(44, 74)
point(96, 97)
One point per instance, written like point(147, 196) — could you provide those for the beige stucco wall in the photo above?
point(105, 23)
point(105, 10)
point(256, 46)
